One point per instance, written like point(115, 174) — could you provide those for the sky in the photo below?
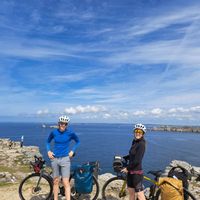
point(100, 61)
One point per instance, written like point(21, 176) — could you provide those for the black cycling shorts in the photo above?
point(135, 181)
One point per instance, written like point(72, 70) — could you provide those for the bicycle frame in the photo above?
point(151, 180)
point(122, 192)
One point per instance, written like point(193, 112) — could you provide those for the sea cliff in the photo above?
point(14, 166)
point(176, 128)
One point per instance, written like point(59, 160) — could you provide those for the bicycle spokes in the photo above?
point(34, 189)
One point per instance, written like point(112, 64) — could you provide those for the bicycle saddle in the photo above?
point(157, 173)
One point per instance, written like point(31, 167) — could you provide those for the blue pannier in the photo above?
point(83, 179)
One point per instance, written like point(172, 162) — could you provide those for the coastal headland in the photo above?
point(193, 129)
point(14, 166)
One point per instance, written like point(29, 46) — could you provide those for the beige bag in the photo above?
point(171, 189)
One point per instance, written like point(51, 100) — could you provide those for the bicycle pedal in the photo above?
point(122, 194)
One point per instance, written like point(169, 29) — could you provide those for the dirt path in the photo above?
point(9, 192)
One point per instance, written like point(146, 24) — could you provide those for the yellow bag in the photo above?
point(171, 189)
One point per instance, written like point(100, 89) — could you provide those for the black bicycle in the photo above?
point(39, 185)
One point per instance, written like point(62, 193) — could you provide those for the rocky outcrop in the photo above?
point(14, 160)
point(177, 129)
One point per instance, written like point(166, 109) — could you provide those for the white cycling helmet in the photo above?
point(140, 126)
point(64, 119)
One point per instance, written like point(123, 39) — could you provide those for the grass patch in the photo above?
point(7, 184)
point(19, 159)
point(14, 169)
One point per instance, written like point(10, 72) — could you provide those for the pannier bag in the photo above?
point(95, 167)
point(83, 179)
point(171, 189)
point(181, 174)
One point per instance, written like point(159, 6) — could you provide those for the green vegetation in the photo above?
point(14, 169)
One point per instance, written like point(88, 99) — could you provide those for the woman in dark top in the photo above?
point(134, 169)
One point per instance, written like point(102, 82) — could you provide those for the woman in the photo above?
point(134, 168)
point(60, 156)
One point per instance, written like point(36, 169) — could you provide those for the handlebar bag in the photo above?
point(83, 179)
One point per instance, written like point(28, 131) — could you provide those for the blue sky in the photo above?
point(100, 61)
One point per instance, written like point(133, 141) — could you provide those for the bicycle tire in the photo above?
point(28, 191)
point(112, 187)
point(187, 195)
point(89, 196)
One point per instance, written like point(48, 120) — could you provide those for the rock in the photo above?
point(6, 177)
point(15, 160)
point(177, 129)
point(183, 164)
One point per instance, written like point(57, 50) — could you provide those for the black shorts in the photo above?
point(135, 181)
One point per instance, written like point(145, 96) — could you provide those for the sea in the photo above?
point(101, 142)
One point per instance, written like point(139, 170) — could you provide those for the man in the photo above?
point(61, 154)
point(22, 141)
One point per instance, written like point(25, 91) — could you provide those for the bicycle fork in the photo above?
point(122, 192)
point(37, 188)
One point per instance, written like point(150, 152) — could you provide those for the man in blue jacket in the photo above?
point(61, 154)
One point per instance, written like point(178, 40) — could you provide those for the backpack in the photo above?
point(83, 178)
point(181, 174)
point(171, 189)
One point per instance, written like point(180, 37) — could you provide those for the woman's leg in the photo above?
point(141, 196)
point(67, 188)
point(139, 187)
point(131, 193)
point(55, 187)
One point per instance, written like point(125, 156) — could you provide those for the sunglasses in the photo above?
point(138, 131)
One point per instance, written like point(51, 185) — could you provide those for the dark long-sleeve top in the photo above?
point(136, 154)
point(62, 141)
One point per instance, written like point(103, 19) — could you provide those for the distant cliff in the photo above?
point(177, 128)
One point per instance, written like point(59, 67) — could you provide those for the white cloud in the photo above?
point(43, 112)
point(107, 115)
point(156, 111)
point(84, 109)
point(139, 113)
point(195, 109)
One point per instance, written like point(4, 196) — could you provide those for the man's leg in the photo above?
point(55, 187)
point(65, 171)
point(55, 168)
point(67, 188)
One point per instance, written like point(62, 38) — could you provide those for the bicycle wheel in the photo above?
point(90, 196)
point(29, 188)
point(114, 189)
point(187, 195)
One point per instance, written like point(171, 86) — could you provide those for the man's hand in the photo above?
point(124, 170)
point(71, 153)
point(51, 155)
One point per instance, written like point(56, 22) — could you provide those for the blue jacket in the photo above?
point(62, 142)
